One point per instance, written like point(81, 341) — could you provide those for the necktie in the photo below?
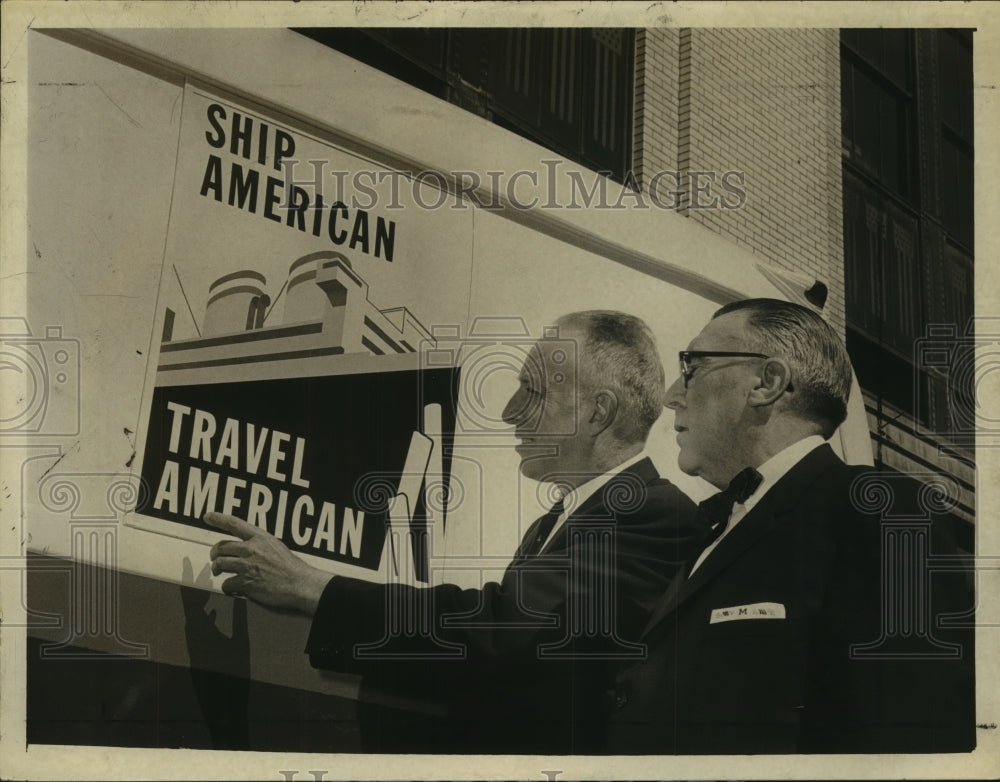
point(542, 527)
point(714, 512)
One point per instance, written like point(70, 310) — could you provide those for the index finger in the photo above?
point(231, 524)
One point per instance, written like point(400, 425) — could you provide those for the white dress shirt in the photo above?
point(771, 472)
point(574, 497)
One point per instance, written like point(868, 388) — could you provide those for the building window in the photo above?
point(877, 106)
point(955, 60)
point(567, 89)
point(908, 231)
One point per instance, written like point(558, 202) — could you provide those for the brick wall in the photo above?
point(765, 102)
point(654, 146)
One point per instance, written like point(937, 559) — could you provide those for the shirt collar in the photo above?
point(775, 468)
point(574, 497)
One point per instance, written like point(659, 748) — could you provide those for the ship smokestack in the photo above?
point(236, 302)
point(304, 300)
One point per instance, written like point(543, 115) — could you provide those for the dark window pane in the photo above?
point(907, 151)
point(514, 83)
point(879, 371)
point(901, 300)
point(955, 80)
point(964, 189)
point(963, 88)
point(957, 282)
point(846, 107)
point(866, 123)
point(890, 142)
point(860, 247)
point(418, 60)
point(948, 80)
point(896, 56)
point(468, 55)
point(870, 45)
point(604, 100)
point(422, 46)
point(949, 182)
point(956, 190)
point(560, 104)
point(876, 127)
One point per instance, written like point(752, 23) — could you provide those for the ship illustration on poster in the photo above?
point(316, 428)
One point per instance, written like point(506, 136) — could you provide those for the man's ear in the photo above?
point(603, 412)
point(775, 380)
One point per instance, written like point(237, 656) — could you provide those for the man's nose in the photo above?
point(674, 397)
point(514, 409)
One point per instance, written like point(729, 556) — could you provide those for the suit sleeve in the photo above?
point(618, 563)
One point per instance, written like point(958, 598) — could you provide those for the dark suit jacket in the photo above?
point(534, 649)
point(793, 684)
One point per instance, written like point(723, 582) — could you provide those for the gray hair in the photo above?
point(620, 353)
point(821, 368)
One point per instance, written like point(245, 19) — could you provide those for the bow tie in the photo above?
point(744, 485)
point(714, 513)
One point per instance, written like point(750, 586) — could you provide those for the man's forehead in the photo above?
point(536, 361)
point(726, 332)
point(568, 342)
point(553, 354)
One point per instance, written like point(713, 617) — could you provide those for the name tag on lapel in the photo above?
point(753, 611)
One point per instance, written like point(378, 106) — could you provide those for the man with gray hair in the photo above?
point(535, 646)
point(799, 627)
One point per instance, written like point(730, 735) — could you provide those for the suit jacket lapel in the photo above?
point(668, 602)
point(527, 540)
point(757, 523)
point(760, 520)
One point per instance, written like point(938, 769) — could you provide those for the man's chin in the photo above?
point(687, 465)
point(533, 470)
point(540, 468)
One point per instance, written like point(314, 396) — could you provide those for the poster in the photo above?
point(286, 392)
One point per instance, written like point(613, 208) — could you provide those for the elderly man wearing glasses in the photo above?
point(780, 636)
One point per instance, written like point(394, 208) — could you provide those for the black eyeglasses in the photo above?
point(687, 371)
